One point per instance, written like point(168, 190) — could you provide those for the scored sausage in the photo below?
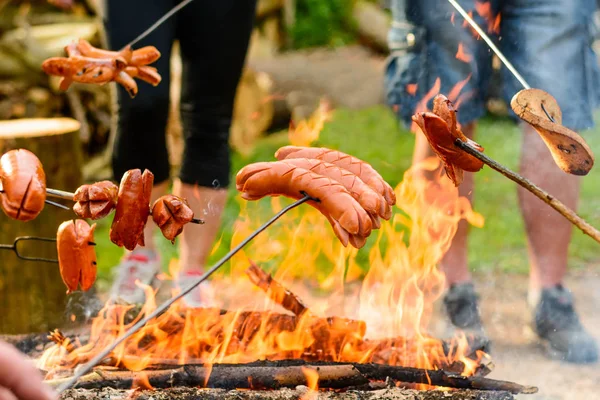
point(171, 213)
point(370, 200)
point(358, 167)
point(133, 209)
point(76, 254)
point(95, 201)
point(348, 219)
point(23, 185)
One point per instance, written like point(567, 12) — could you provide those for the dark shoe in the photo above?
point(462, 307)
point(557, 322)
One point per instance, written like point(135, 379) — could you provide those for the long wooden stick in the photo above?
point(536, 190)
point(289, 373)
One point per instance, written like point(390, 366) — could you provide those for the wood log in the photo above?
point(275, 291)
point(32, 294)
point(372, 23)
point(290, 373)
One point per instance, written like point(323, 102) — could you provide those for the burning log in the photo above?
point(290, 373)
point(276, 292)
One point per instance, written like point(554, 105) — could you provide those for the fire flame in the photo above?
point(307, 132)
point(370, 306)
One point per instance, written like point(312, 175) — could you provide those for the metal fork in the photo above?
point(13, 247)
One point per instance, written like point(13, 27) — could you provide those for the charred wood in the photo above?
point(290, 373)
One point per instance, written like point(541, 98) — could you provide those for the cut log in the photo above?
point(372, 23)
point(276, 292)
point(32, 294)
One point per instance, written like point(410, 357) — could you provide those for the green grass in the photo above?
point(373, 135)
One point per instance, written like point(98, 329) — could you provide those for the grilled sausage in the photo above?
point(346, 216)
point(133, 209)
point(144, 56)
point(358, 167)
point(23, 185)
point(76, 254)
point(171, 213)
point(95, 201)
point(87, 50)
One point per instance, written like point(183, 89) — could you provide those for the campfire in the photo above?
point(319, 320)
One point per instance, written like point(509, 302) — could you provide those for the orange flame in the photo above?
point(462, 54)
point(484, 9)
point(411, 88)
point(370, 306)
point(312, 382)
point(307, 131)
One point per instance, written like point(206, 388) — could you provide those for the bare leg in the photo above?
point(548, 233)
point(455, 262)
point(196, 241)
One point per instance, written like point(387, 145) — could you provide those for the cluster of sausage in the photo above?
point(349, 192)
point(23, 195)
point(88, 64)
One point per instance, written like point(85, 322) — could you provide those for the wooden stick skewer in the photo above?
point(533, 188)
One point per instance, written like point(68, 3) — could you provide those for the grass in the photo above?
point(373, 135)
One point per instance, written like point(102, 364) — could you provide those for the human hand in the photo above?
point(19, 379)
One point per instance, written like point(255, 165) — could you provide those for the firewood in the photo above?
point(372, 23)
point(290, 373)
point(275, 290)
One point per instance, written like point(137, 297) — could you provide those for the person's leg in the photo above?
point(214, 38)
point(548, 232)
point(550, 44)
point(140, 140)
point(455, 262)
point(409, 77)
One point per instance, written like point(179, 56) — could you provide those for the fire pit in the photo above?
point(354, 335)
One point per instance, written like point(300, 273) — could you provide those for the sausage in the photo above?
point(84, 69)
point(127, 82)
point(23, 185)
point(144, 56)
point(358, 167)
point(133, 209)
point(442, 130)
point(76, 254)
point(145, 73)
point(346, 216)
point(370, 200)
point(87, 50)
point(95, 201)
point(171, 213)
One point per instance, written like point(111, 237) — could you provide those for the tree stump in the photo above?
point(32, 294)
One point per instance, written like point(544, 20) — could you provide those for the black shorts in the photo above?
point(213, 37)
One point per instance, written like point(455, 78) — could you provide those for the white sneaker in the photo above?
point(140, 265)
point(201, 296)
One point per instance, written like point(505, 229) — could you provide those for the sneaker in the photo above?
point(462, 308)
point(140, 265)
point(201, 296)
point(557, 323)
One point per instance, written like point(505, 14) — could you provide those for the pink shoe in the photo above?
point(201, 296)
point(140, 265)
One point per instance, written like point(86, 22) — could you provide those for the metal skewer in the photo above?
point(13, 247)
point(490, 43)
point(61, 194)
point(164, 306)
